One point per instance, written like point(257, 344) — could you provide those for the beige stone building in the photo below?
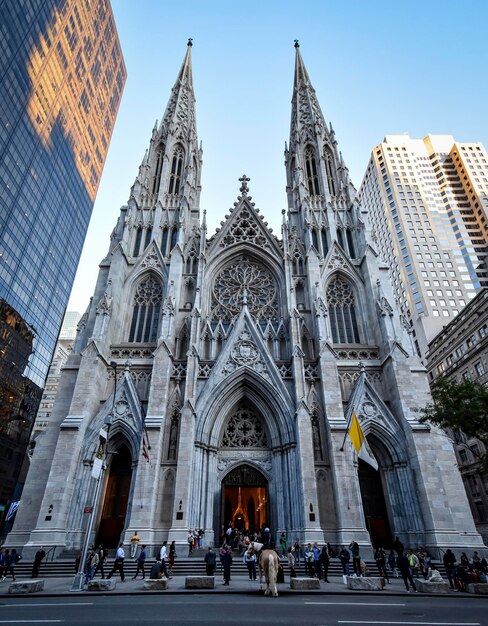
point(428, 202)
point(242, 355)
point(460, 351)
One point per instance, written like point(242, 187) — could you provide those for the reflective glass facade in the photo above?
point(61, 80)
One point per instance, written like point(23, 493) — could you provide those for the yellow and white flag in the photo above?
point(359, 442)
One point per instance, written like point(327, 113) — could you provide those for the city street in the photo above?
point(253, 609)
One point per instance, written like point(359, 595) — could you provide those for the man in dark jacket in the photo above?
point(141, 561)
point(210, 561)
point(226, 564)
point(449, 560)
point(404, 567)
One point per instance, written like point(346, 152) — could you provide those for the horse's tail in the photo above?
point(272, 574)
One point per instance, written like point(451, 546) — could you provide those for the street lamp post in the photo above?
point(77, 584)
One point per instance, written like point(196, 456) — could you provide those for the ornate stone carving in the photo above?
point(336, 261)
point(244, 429)
point(126, 352)
point(359, 354)
point(151, 260)
point(245, 353)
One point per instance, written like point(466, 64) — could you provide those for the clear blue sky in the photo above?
point(378, 68)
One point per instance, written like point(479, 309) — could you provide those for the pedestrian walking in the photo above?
point(118, 565)
point(172, 557)
point(404, 568)
point(292, 561)
point(90, 564)
point(163, 557)
point(40, 554)
point(210, 561)
point(141, 562)
point(102, 558)
point(3, 565)
point(11, 560)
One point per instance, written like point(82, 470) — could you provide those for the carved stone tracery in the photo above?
point(244, 281)
point(244, 430)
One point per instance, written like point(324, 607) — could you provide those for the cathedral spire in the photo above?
point(180, 111)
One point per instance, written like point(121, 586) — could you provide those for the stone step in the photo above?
point(183, 567)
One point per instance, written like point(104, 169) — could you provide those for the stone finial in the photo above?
point(190, 42)
point(297, 44)
point(244, 180)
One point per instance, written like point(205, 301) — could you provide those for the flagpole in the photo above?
point(341, 449)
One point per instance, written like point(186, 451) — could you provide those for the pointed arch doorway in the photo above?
point(116, 499)
point(245, 499)
point(374, 505)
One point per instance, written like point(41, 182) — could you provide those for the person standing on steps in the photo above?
point(40, 554)
point(283, 545)
point(134, 542)
point(141, 561)
point(250, 561)
point(324, 562)
point(356, 558)
point(118, 565)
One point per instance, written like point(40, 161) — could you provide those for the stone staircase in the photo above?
point(184, 566)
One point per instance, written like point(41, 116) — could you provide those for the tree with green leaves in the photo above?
point(459, 408)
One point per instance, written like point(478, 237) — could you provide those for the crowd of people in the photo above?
point(396, 562)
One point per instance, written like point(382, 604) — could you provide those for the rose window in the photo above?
point(244, 430)
point(244, 282)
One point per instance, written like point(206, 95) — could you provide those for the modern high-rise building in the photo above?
point(61, 81)
point(428, 205)
point(226, 367)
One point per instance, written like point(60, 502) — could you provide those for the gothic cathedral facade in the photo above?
point(234, 362)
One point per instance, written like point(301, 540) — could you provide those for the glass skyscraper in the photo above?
point(61, 80)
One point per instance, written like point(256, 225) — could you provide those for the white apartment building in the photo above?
point(427, 201)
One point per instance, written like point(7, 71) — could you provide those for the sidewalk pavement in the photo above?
point(239, 584)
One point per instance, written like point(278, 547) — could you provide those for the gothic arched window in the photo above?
point(148, 237)
point(325, 242)
point(137, 242)
point(342, 312)
point(340, 238)
point(311, 172)
point(146, 311)
point(176, 170)
point(350, 243)
point(315, 239)
point(157, 172)
point(164, 240)
point(329, 170)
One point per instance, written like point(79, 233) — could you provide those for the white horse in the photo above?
point(268, 564)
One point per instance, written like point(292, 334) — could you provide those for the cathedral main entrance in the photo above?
point(112, 522)
point(374, 505)
point(245, 499)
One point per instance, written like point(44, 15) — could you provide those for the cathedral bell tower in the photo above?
point(320, 195)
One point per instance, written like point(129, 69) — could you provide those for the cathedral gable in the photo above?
point(150, 259)
point(245, 349)
point(245, 226)
point(338, 260)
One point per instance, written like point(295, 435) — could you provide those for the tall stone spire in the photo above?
point(180, 111)
point(320, 196)
point(168, 182)
point(307, 120)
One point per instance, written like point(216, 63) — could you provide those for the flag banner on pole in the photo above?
point(359, 442)
point(12, 510)
point(145, 446)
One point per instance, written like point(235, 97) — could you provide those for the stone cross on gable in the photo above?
point(244, 180)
